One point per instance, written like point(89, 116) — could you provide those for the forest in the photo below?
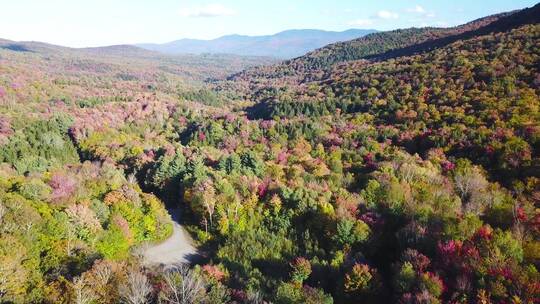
point(400, 167)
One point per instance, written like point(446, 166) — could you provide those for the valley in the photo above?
point(398, 166)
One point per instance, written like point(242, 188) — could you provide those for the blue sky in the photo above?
point(80, 23)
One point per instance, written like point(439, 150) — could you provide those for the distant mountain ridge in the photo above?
point(132, 61)
point(402, 42)
point(47, 48)
point(286, 44)
point(380, 46)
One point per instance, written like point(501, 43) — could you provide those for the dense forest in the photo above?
point(401, 167)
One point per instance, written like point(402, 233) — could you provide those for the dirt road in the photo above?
point(176, 249)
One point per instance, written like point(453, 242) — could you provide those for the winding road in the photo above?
point(177, 249)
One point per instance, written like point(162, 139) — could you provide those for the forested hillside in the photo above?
point(475, 98)
point(374, 47)
point(401, 177)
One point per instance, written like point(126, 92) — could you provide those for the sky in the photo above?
point(83, 23)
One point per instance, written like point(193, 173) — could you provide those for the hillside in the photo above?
point(41, 73)
point(459, 98)
point(466, 96)
point(379, 46)
point(406, 171)
point(287, 44)
point(456, 82)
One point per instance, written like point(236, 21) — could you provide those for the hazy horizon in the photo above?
point(101, 23)
point(202, 39)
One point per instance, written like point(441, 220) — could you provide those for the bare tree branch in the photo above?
point(182, 286)
point(82, 294)
point(136, 288)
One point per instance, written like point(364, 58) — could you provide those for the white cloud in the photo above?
point(387, 15)
point(361, 22)
point(210, 10)
point(417, 9)
point(383, 14)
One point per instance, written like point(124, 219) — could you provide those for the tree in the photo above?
point(101, 278)
point(405, 277)
point(168, 169)
point(254, 298)
point(231, 163)
point(251, 162)
point(63, 186)
point(182, 286)
point(204, 201)
point(292, 293)
point(136, 288)
point(301, 269)
point(361, 279)
point(13, 275)
point(471, 185)
point(349, 232)
point(82, 294)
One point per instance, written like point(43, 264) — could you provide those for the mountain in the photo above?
point(384, 45)
point(52, 49)
point(287, 44)
point(120, 50)
point(373, 47)
point(379, 43)
point(31, 47)
point(58, 59)
point(403, 167)
point(478, 80)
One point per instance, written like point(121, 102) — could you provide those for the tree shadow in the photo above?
point(273, 268)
